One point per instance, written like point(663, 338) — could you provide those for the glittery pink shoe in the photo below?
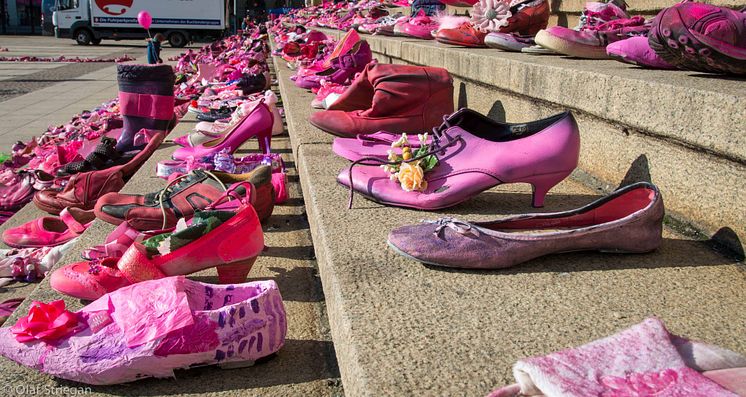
point(150, 329)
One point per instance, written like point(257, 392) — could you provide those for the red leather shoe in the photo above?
point(181, 198)
point(400, 98)
point(84, 189)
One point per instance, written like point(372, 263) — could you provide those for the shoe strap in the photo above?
point(72, 224)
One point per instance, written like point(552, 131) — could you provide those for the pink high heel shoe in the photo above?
point(258, 122)
point(469, 154)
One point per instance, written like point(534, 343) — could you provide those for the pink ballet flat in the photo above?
point(150, 329)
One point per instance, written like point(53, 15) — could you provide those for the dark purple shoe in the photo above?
point(701, 37)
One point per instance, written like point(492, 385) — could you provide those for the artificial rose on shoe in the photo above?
point(152, 328)
point(45, 322)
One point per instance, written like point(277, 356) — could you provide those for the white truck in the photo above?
point(181, 21)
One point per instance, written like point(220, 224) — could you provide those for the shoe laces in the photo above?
point(178, 183)
point(441, 141)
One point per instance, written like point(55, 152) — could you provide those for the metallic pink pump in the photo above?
point(258, 122)
point(474, 154)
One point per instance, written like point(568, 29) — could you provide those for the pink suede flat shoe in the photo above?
point(629, 220)
point(50, 231)
point(469, 154)
point(150, 329)
point(643, 360)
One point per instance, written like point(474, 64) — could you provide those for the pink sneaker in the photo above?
point(703, 37)
point(591, 42)
point(150, 329)
point(637, 51)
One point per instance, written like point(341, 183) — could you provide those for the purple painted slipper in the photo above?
point(704, 37)
point(468, 154)
point(627, 221)
point(150, 329)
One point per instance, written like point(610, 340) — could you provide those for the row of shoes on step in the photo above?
point(689, 35)
point(146, 318)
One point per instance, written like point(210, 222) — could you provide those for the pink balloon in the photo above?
point(144, 18)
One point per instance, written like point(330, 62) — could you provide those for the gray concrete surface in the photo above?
point(689, 128)
point(403, 328)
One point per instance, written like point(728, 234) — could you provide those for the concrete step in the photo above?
point(305, 366)
point(402, 328)
point(685, 131)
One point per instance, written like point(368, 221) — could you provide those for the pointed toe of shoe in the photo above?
point(335, 122)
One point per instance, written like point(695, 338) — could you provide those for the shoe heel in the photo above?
point(236, 272)
point(541, 185)
point(265, 142)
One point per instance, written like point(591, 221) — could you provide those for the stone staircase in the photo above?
point(403, 328)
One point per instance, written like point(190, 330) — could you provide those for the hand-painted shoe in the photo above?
point(403, 98)
point(704, 37)
point(645, 359)
point(150, 329)
point(637, 51)
point(206, 131)
point(470, 153)
point(182, 197)
point(49, 231)
point(229, 240)
point(257, 123)
point(627, 221)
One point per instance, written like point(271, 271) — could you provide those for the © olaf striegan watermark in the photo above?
point(43, 390)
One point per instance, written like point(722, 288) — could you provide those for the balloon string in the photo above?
point(149, 36)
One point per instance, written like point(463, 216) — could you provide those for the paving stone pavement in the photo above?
point(18, 78)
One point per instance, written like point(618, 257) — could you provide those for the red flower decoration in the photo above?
point(45, 322)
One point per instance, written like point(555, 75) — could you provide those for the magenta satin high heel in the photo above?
point(258, 122)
